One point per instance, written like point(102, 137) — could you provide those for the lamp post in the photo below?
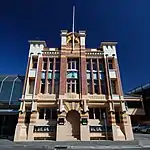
point(105, 124)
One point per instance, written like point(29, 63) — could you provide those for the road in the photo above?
point(78, 145)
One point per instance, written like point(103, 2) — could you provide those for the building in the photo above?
point(10, 93)
point(144, 91)
point(73, 93)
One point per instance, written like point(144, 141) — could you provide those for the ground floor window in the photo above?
point(48, 113)
point(96, 113)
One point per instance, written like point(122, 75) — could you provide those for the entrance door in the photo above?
point(73, 125)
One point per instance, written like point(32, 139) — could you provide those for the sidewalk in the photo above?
point(76, 144)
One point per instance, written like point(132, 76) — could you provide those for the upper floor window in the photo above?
point(113, 86)
point(110, 64)
point(42, 86)
point(96, 87)
point(34, 62)
point(72, 64)
point(88, 63)
point(96, 113)
point(48, 113)
point(31, 85)
point(51, 64)
point(72, 86)
point(103, 86)
point(50, 86)
point(44, 64)
point(94, 64)
point(89, 86)
point(101, 65)
point(57, 67)
point(56, 86)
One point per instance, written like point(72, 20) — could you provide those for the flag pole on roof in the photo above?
point(73, 17)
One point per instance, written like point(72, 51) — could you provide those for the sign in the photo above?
point(44, 128)
point(100, 129)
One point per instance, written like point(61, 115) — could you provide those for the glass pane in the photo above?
point(43, 75)
point(95, 75)
point(91, 114)
point(50, 87)
point(48, 111)
point(54, 114)
point(73, 88)
point(51, 66)
point(56, 75)
point(97, 113)
point(88, 75)
point(103, 86)
point(41, 113)
point(49, 75)
point(56, 87)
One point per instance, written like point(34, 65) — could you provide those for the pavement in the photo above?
point(142, 141)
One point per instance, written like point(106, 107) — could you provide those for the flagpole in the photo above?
point(73, 26)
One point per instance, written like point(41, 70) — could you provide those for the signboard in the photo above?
point(44, 128)
point(99, 128)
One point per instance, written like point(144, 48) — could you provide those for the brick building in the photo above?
point(73, 93)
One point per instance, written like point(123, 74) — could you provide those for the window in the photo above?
point(57, 64)
point(91, 114)
point(95, 75)
point(50, 86)
point(101, 65)
point(44, 64)
point(103, 86)
point(110, 64)
point(88, 65)
point(72, 64)
point(88, 75)
point(72, 86)
point(113, 86)
point(56, 86)
point(94, 64)
point(42, 86)
point(51, 64)
point(96, 113)
point(31, 85)
point(43, 75)
point(41, 113)
point(57, 75)
point(134, 104)
point(96, 87)
point(34, 62)
point(89, 86)
point(48, 113)
point(49, 75)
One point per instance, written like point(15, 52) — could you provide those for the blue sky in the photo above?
point(124, 21)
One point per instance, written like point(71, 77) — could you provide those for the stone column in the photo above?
point(107, 78)
point(33, 119)
point(46, 76)
point(83, 76)
point(53, 75)
point(20, 132)
point(38, 81)
point(63, 71)
point(84, 129)
point(92, 76)
point(99, 81)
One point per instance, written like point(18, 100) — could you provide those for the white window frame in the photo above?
point(72, 82)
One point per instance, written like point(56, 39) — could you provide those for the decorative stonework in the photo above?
point(72, 106)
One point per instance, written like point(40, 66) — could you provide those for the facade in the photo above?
point(144, 91)
point(73, 93)
point(10, 93)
